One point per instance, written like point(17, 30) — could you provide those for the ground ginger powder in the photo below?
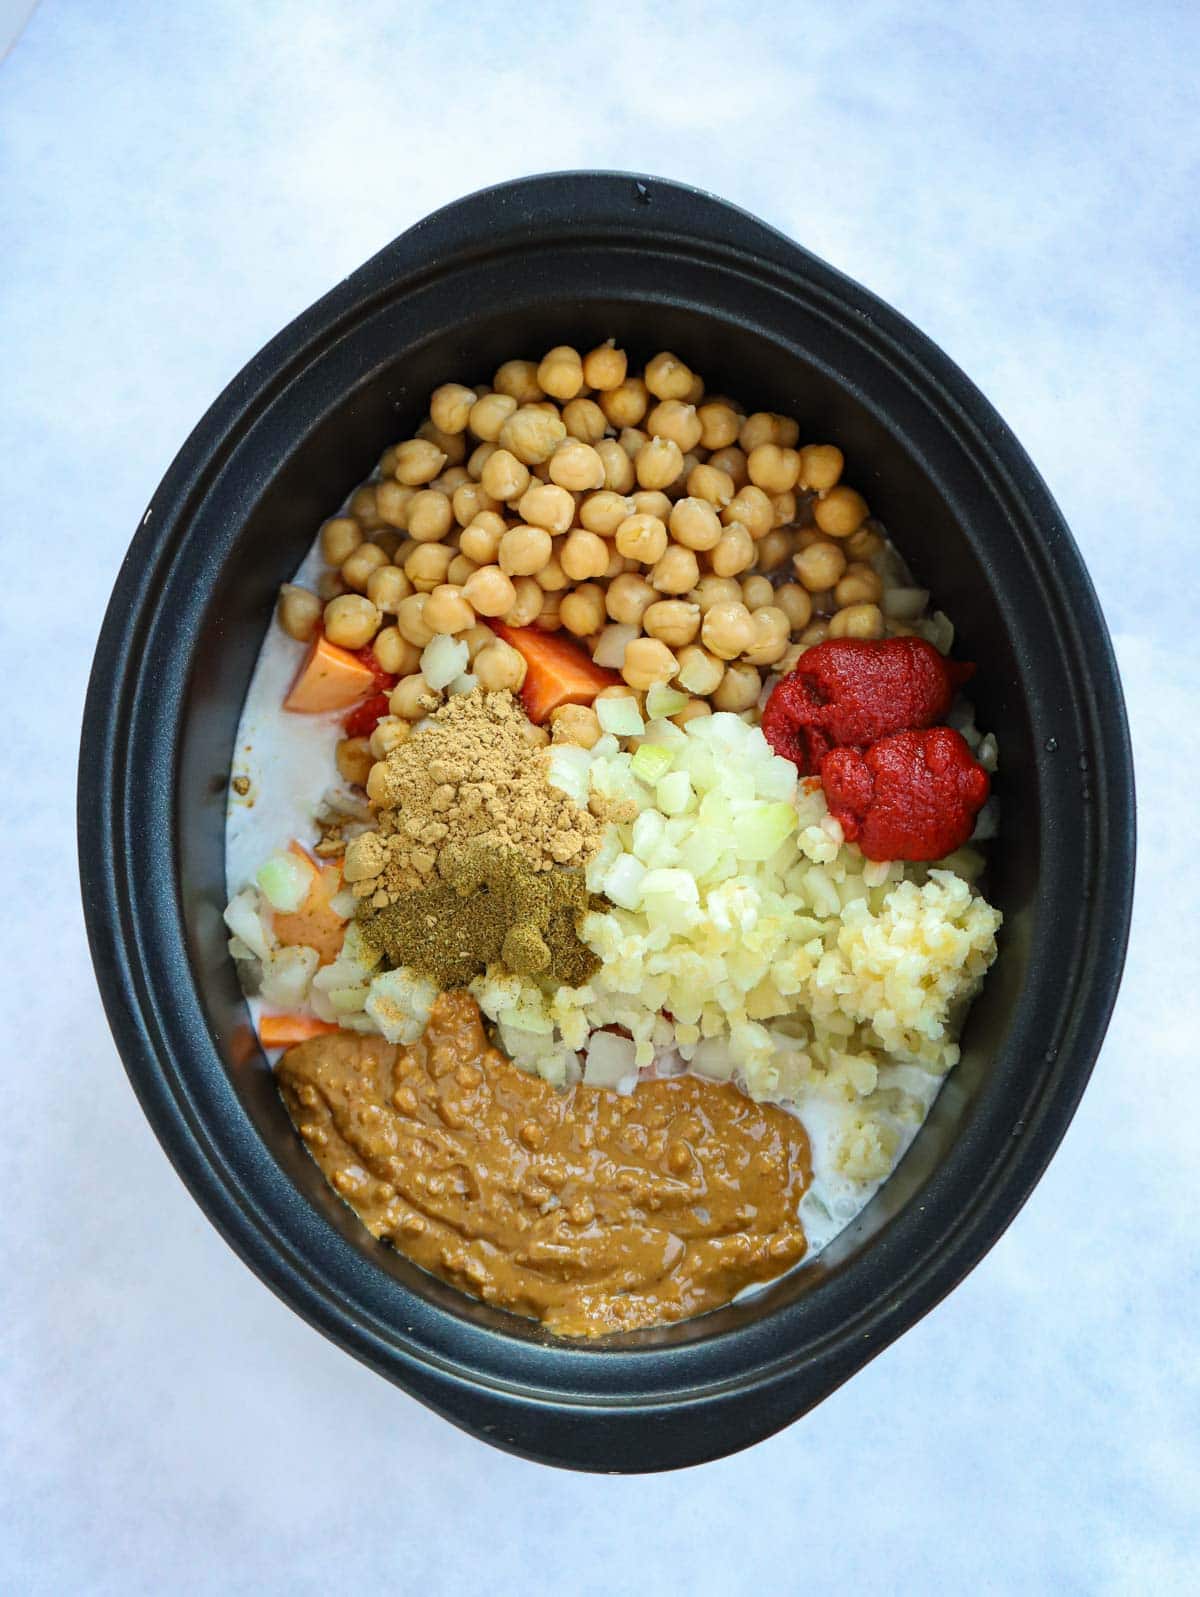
point(475, 859)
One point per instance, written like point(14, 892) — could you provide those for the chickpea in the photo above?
point(544, 504)
point(470, 500)
point(481, 540)
point(489, 414)
point(392, 502)
point(604, 512)
point(619, 474)
point(390, 731)
point(561, 372)
point(692, 709)
point(412, 698)
point(820, 466)
point(766, 427)
point(430, 516)
point(584, 555)
point(378, 783)
point(452, 445)
point(678, 489)
point(353, 758)
point(632, 439)
point(772, 635)
point(447, 610)
point(450, 407)
point(628, 598)
point(584, 421)
point(518, 378)
point(732, 462)
point(524, 550)
point(784, 509)
point(815, 632)
point(552, 578)
point(855, 621)
point(716, 590)
point(773, 469)
point(549, 618)
point(504, 477)
point(582, 610)
point(646, 662)
point(819, 566)
point(734, 553)
point(719, 425)
point(713, 486)
point(658, 463)
point(678, 571)
point(387, 462)
point(859, 585)
point(532, 435)
point(476, 638)
point(489, 591)
point(649, 502)
point(478, 459)
point(699, 671)
point(395, 653)
point(823, 602)
point(695, 524)
point(356, 571)
point(617, 563)
point(528, 604)
point(329, 585)
point(576, 467)
point(626, 404)
point(841, 512)
point(673, 419)
point(751, 507)
point(418, 461)
point(605, 366)
point(410, 620)
point(728, 630)
point(739, 688)
point(863, 545)
point(795, 603)
point(499, 667)
point(339, 539)
point(775, 550)
point(389, 540)
point(577, 724)
point(672, 621)
point(757, 592)
point(428, 564)
point(641, 537)
point(299, 612)
point(351, 621)
point(619, 690)
point(364, 507)
point(386, 587)
point(451, 480)
point(667, 377)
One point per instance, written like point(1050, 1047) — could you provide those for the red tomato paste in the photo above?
point(848, 692)
point(912, 796)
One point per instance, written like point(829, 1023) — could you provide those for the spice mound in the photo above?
point(476, 860)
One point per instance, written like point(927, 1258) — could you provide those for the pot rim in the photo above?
point(449, 1364)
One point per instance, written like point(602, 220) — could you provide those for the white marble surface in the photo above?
point(178, 182)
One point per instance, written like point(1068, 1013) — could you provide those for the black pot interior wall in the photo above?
point(371, 389)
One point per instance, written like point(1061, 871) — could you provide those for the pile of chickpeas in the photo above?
point(679, 539)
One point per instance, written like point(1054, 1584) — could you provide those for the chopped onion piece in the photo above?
point(673, 793)
point(760, 830)
point(622, 882)
point(651, 762)
point(466, 683)
point(285, 882)
point(244, 921)
point(343, 904)
point(287, 973)
point(567, 769)
point(620, 716)
point(905, 604)
point(610, 1057)
point(662, 700)
point(443, 660)
point(611, 645)
point(400, 1003)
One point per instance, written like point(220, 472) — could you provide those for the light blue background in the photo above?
point(178, 182)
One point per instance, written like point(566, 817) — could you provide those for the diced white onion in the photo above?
point(905, 604)
point(611, 645)
point(285, 881)
point(609, 1058)
point(244, 921)
point(444, 659)
point(620, 716)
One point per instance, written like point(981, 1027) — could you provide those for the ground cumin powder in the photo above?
point(476, 859)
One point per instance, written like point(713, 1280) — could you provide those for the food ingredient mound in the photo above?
point(488, 905)
point(476, 859)
point(589, 1211)
point(913, 795)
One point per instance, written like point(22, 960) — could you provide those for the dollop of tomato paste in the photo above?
point(849, 692)
point(912, 795)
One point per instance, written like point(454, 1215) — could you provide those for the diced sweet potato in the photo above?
point(330, 679)
point(558, 670)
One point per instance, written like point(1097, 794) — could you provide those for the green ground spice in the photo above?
point(487, 905)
